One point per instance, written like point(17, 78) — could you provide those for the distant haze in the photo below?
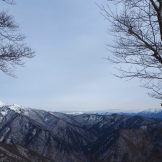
point(70, 71)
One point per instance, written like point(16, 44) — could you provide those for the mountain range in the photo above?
point(33, 135)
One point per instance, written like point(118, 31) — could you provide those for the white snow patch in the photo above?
point(20, 109)
point(34, 132)
point(1, 103)
point(92, 117)
point(26, 113)
point(46, 119)
point(74, 113)
point(16, 108)
point(4, 112)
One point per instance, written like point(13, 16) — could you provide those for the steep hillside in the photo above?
point(80, 138)
point(15, 153)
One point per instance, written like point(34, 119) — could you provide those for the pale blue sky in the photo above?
point(68, 72)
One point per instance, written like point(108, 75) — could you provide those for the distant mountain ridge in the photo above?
point(152, 113)
point(58, 137)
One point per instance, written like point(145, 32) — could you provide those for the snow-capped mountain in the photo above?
point(59, 137)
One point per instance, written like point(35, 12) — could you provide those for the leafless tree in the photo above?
point(137, 47)
point(12, 48)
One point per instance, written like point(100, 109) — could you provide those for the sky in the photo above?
point(69, 71)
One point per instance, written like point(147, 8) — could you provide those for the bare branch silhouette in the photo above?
point(12, 47)
point(137, 25)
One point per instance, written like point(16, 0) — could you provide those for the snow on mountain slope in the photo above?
point(81, 137)
point(16, 108)
point(1, 103)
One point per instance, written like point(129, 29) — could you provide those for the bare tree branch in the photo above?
point(13, 50)
point(137, 25)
